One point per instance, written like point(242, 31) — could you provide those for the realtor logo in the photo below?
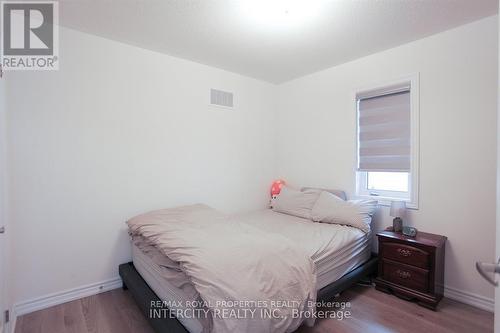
point(29, 36)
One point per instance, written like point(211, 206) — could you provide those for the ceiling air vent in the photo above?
point(221, 98)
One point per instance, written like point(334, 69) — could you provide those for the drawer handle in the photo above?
point(403, 274)
point(404, 253)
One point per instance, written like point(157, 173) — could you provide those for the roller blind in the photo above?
point(384, 130)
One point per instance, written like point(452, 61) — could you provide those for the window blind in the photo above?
point(384, 131)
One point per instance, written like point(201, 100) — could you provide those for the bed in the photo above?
point(341, 256)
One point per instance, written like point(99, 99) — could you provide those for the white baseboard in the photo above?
point(65, 296)
point(475, 300)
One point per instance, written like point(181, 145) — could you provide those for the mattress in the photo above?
point(335, 250)
point(170, 285)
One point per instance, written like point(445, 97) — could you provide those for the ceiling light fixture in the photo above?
point(279, 14)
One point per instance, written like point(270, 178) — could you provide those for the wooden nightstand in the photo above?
point(411, 267)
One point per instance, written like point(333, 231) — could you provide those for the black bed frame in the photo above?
point(143, 294)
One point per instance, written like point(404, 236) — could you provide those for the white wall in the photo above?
point(458, 97)
point(117, 131)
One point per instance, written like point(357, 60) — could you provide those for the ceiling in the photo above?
point(272, 40)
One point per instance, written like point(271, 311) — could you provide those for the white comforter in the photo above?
point(231, 261)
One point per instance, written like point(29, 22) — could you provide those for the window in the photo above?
point(388, 181)
point(387, 137)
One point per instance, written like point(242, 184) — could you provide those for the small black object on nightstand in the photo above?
point(410, 231)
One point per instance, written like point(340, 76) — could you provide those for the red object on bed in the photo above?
point(276, 187)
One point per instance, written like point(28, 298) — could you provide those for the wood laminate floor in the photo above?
point(372, 311)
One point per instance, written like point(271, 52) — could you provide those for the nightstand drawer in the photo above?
point(407, 276)
point(406, 254)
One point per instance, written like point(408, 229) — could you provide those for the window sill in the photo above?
point(386, 201)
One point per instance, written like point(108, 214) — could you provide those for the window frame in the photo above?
point(385, 197)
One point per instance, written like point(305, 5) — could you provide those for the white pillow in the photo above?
point(294, 202)
point(356, 213)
